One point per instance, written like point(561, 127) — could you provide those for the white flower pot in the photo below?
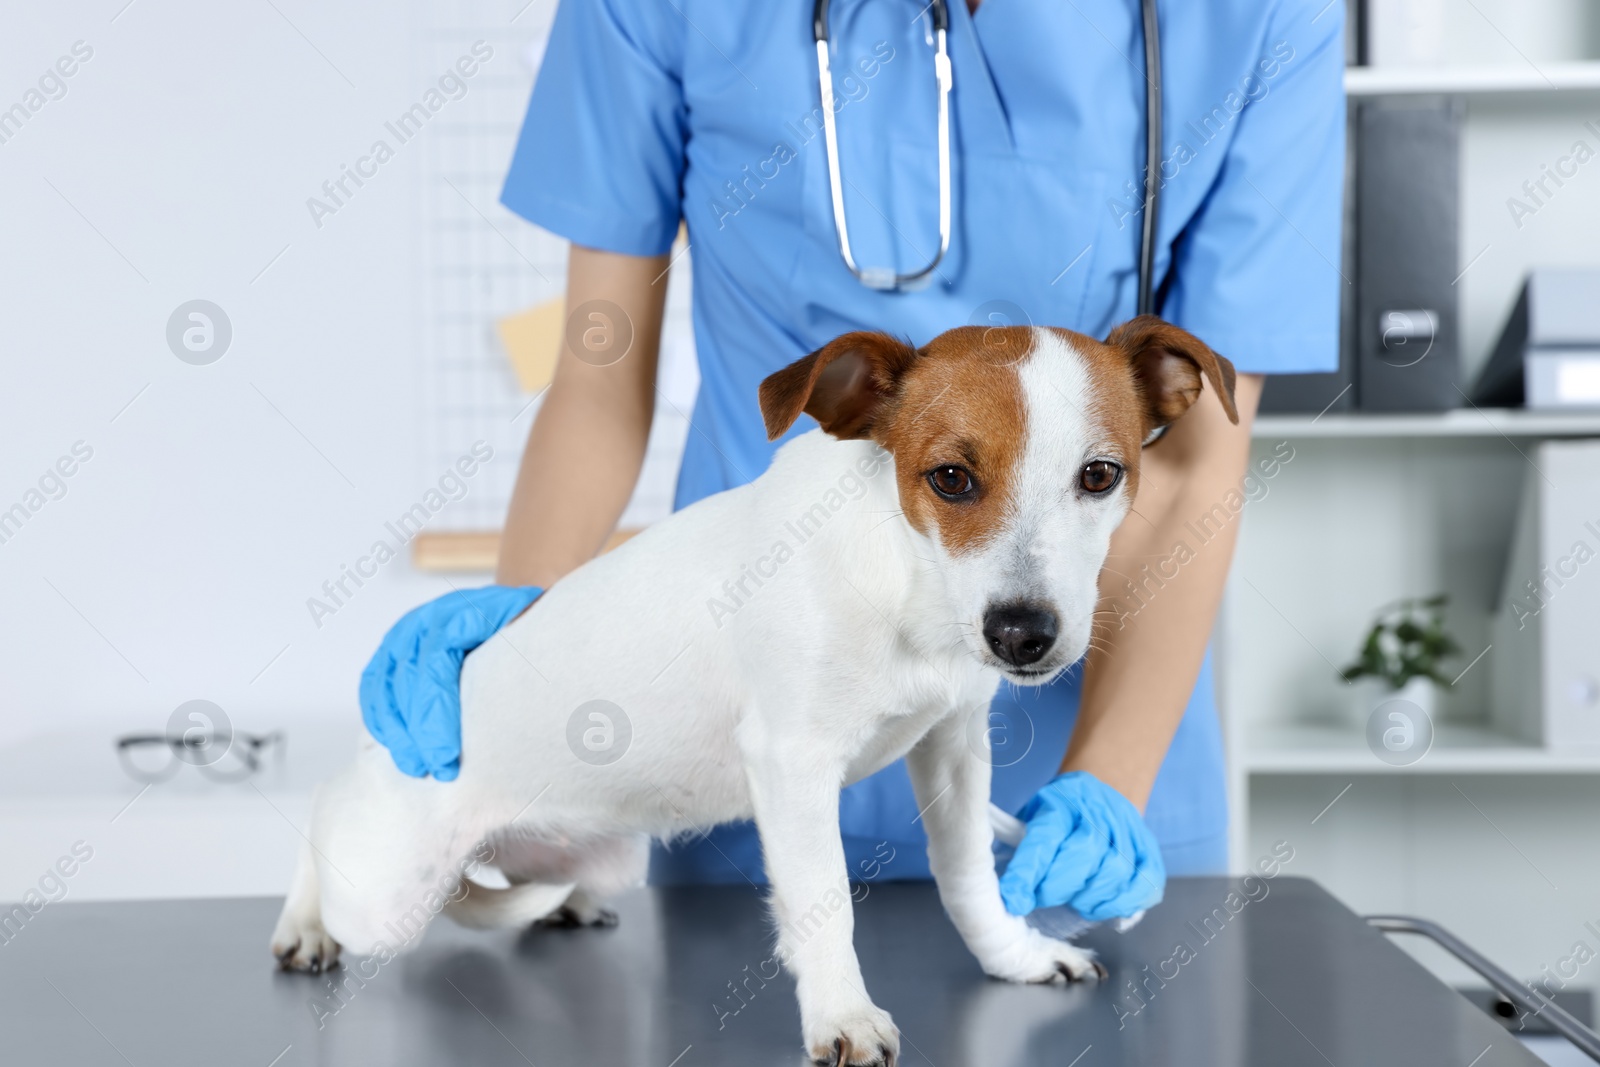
point(1368, 694)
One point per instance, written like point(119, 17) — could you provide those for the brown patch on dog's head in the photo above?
point(1114, 394)
point(960, 407)
point(1144, 376)
point(843, 385)
point(956, 403)
point(1167, 364)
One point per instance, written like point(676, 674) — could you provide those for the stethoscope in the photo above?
point(886, 278)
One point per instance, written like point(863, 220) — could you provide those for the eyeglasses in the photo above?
point(222, 757)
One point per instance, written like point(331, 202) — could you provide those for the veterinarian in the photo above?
point(650, 113)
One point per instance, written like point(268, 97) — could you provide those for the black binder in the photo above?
point(1407, 330)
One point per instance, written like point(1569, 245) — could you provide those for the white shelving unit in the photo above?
point(1484, 827)
point(1463, 422)
point(1492, 836)
point(1457, 749)
point(1474, 80)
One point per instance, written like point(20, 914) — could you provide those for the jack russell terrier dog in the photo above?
point(751, 655)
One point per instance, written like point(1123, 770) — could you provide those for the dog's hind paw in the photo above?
point(579, 909)
point(868, 1038)
point(570, 918)
point(305, 946)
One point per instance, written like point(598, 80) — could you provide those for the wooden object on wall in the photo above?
point(473, 551)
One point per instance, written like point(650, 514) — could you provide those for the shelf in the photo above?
point(1473, 80)
point(1462, 422)
point(187, 836)
point(1456, 750)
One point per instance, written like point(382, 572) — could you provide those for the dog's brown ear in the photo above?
point(1167, 362)
point(841, 385)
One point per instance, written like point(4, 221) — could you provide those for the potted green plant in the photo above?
point(1401, 656)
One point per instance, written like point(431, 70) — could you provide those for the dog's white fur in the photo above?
point(747, 697)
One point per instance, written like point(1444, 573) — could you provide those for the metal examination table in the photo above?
point(1293, 978)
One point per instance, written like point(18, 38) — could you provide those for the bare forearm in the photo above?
point(1159, 600)
point(588, 439)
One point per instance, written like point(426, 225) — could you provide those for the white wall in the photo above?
point(178, 165)
point(184, 550)
point(219, 498)
point(1506, 142)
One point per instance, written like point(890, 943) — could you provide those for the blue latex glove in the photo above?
point(411, 689)
point(1086, 846)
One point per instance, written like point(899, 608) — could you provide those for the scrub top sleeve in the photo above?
point(1256, 273)
point(601, 154)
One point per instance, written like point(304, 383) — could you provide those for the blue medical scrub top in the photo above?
point(652, 111)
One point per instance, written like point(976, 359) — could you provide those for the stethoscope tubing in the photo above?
point(888, 280)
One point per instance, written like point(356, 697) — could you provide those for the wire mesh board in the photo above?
point(480, 263)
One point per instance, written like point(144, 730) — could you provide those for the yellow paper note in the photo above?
point(532, 340)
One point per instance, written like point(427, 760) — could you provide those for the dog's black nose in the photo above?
point(1019, 634)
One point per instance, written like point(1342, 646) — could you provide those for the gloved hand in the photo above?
point(1086, 846)
point(411, 689)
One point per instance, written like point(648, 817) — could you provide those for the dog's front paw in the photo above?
point(1036, 958)
point(301, 944)
point(861, 1037)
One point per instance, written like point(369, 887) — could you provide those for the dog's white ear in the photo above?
point(842, 385)
point(1167, 363)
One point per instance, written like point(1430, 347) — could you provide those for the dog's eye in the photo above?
point(952, 483)
point(1099, 476)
